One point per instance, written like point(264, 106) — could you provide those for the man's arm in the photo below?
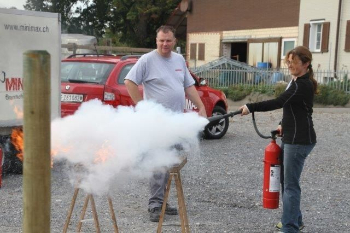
point(192, 94)
point(133, 91)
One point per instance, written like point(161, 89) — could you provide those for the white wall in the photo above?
point(320, 9)
point(214, 48)
point(343, 57)
point(212, 41)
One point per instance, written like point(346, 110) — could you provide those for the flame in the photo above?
point(18, 112)
point(55, 152)
point(103, 154)
point(17, 141)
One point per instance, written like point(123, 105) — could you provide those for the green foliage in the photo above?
point(64, 7)
point(137, 21)
point(330, 96)
point(132, 23)
point(237, 92)
point(327, 94)
point(267, 90)
point(279, 89)
point(343, 84)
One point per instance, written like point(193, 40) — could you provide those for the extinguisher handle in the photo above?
point(214, 120)
point(274, 133)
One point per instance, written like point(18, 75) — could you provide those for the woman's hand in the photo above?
point(279, 129)
point(245, 110)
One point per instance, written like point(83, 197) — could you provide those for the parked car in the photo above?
point(85, 77)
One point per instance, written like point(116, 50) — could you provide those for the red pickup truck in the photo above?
point(85, 77)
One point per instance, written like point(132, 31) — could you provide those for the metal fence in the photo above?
point(224, 77)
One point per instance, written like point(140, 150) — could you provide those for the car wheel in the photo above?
point(219, 130)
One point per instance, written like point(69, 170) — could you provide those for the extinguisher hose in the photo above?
point(256, 128)
point(273, 135)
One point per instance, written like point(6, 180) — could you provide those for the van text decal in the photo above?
point(190, 105)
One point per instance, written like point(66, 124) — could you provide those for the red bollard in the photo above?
point(0, 166)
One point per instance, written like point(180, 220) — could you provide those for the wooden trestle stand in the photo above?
point(94, 212)
point(175, 172)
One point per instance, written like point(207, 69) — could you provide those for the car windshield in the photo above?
point(85, 72)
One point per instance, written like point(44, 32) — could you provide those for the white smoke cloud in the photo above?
point(104, 143)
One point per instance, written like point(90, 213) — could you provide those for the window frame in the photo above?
point(282, 45)
point(313, 35)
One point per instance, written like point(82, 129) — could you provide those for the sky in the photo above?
point(10, 3)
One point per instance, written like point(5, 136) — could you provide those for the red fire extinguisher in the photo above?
point(0, 166)
point(272, 170)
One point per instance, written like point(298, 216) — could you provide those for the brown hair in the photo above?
point(166, 29)
point(305, 56)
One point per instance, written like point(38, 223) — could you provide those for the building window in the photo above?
point(316, 35)
point(193, 51)
point(201, 52)
point(347, 37)
point(287, 45)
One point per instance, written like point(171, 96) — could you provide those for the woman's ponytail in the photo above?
point(311, 76)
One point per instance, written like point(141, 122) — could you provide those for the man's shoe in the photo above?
point(279, 226)
point(170, 210)
point(154, 214)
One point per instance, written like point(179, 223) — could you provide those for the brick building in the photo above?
point(246, 30)
point(262, 31)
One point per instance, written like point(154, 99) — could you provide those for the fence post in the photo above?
point(36, 131)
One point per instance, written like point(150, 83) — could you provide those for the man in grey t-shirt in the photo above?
point(166, 80)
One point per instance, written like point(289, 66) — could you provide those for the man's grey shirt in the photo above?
point(164, 79)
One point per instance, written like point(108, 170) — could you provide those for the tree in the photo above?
point(133, 22)
point(64, 7)
point(93, 19)
point(137, 20)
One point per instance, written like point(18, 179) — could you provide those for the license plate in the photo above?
point(71, 98)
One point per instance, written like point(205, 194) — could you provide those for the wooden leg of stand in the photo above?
point(70, 211)
point(113, 215)
point(182, 207)
point(83, 213)
point(166, 195)
point(94, 214)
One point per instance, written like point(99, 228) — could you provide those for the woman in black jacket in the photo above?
point(296, 128)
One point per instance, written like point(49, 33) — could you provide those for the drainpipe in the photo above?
point(337, 37)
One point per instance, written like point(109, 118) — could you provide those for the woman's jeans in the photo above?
point(292, 159)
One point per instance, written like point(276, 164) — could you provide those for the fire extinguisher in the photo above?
point(272, 170)
point(0, 166)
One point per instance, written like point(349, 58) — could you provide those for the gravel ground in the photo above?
point(222, 186)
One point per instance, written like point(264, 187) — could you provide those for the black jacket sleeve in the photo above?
point(292, 94)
